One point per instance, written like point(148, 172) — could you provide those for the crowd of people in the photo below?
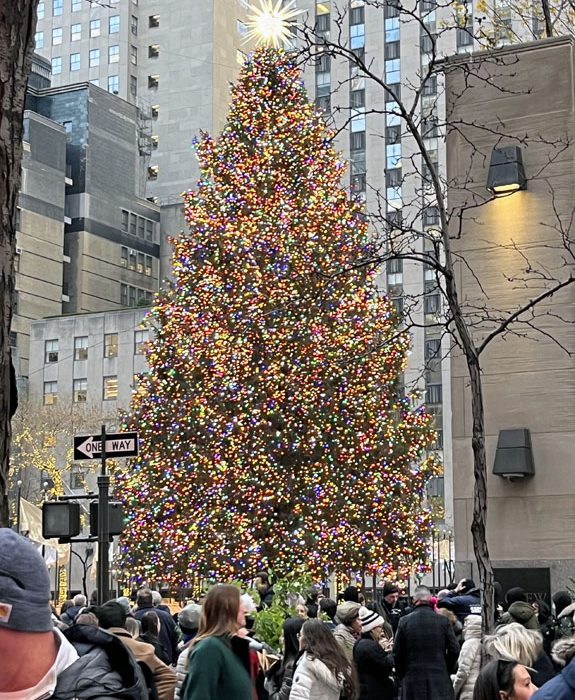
point(355, 648)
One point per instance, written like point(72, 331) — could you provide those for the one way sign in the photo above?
point(117, 445)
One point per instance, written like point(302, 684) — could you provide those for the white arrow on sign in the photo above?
point(91, 446)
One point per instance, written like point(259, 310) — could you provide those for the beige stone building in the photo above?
point(513, 242)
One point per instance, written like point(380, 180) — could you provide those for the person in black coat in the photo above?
point(168, 636)
point(374, 663)
point(425, 652)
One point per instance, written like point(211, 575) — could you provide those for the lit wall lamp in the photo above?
point(506, 173)
point(514, 455)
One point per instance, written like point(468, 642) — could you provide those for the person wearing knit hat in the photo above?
point(39, 660)
point(348, 629)
point(373, 661)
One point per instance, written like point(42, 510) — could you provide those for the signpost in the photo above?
point(103, 446)
point(116, 445)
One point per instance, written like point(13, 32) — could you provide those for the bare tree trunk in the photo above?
point(547, 16)
point(479, 522)
point(17, 27)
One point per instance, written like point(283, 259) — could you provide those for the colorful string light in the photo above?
point(273, 432)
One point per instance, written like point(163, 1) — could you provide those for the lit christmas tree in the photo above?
point(273, 430)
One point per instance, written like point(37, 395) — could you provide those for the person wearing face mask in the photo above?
point(504, 680)
point(373, 659)
point(348, 628)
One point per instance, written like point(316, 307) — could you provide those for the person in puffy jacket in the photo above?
point(562, 687)
point(348, 629)
point(323, 671)
point(40, 661)
point(374, 663)
point(469, 662)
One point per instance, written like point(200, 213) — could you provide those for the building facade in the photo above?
point(86, 240)
point(517, 244)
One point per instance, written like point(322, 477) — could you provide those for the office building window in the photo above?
point(81, 347)
point(433, 394)
point(132, 296)
point(132, 260)
point(110, 388)
point(50, 351)
point(149, 230)
point(77, 477)
point(56, 36)
point(114, 24)
point(111, 345)
point(155, 110)
point(140, 263)
point(392, 29)
point(133, 86)
point(149, 265)
point(153, 172)
point(94, 58)
point(141, 226)
point(392, 71)
point(124, 294)
point(140, 340)
point(134, 25)
point(357, 120)
point(74, 62)
point(94, 27)
point(41, 10)
point(77, 5)
point(153, 21)
point(39, 40)
point(133, 224)
point(75, 32)
point(153, 51)
point(95, 81)
point(134, 55)
point(432, 303)
point(50, 393)
point(80, 390)
point(153, 81)
point(357, 36)
point(125, 219)
point(124, 257)
point(432, 348)
point(57, 7)
point(114, 84)
point(393, 155)
point(56, 65)
point(114, 54)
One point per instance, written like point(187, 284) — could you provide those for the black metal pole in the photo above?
point(103, 527)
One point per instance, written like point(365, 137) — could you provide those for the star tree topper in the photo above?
point(270, 23)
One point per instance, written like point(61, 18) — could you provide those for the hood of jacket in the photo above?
point(563, 650)
point(472, 627)
point(105, 668)
point(523, 613)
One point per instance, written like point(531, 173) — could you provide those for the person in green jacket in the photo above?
point(219, 660)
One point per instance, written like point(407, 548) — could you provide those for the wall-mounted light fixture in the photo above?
point(514, 455)
point(506, 173)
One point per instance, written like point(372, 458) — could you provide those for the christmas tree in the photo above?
point(274, 433)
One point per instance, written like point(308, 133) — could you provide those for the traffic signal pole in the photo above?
point(103, 527)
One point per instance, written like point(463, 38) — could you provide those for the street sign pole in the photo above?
point(103, 527)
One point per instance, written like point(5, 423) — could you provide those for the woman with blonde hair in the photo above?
point(513, 642)
point(219, 659)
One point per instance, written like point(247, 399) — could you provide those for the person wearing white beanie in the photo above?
point(373, 662)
